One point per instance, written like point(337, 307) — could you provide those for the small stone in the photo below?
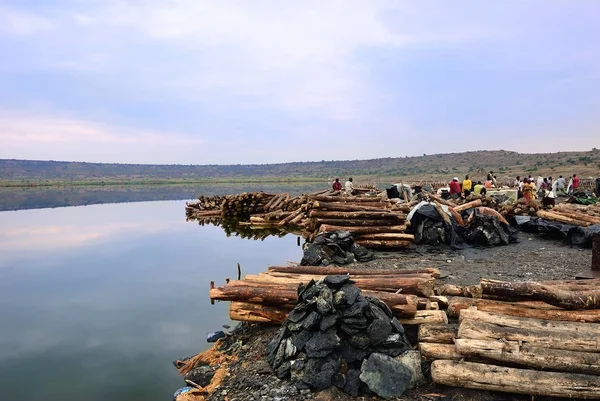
point(311, 321)
point(214, 336)
point(397, 326)
point(339, 298)
point(330, 394)
point(327, 322)
point(224, 392)
point(322, 343)
point(352, 292)
point(226, 326)
point(378, 331)
point(352, 384)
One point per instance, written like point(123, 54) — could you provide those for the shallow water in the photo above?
point(96, 301)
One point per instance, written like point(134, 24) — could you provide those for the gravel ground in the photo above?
point(250, 378)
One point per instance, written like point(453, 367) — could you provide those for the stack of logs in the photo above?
point(375, 223)
point(517, 337)
point(269, 297)
point(570, 213)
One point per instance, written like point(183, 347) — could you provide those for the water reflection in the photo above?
point(96, 301)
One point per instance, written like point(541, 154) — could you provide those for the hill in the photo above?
point(505, 164)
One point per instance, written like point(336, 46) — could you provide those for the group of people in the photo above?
point(545, 187)
point(466, 187)
point(348, 186)
point(528, 188)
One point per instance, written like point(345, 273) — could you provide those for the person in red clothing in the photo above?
point(575, 182)
point(455, 188)
point(337, 185)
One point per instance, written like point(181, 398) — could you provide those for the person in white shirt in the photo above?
point(349, 186)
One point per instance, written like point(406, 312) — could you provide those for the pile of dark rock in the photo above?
point(337, 247)
point(336, 337)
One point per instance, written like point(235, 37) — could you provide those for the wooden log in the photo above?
point(578, 216)
point(571, 300)
point(358, 222)
point(403, 305)
point(439, 351)
point(349, 208)
point(331, 270)
point(438, 333)
point(279, 202)
point(425, 317)
point(408, 285)
point(574, 285)
point(346, 199)
point(384, 243)
point(292, 216)
point(522, 381)
point(537, 310)
point(539, 332)
point(327, 228)
point(442, 201)
point(259, 313)
point(472, 291)
point(512, 352)
point(561, 219)
point(385, 236)
point(468, 205)
point(381, 215)
point(441, 212)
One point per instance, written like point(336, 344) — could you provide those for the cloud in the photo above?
point(22, 23)
point(69, 136)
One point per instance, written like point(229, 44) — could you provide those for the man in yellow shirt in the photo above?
point(466, 185)
point(479, 189)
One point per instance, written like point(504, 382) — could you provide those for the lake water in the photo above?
point(96, 301)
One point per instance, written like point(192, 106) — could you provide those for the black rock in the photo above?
point(360, 340)
point(296, 315)
point(356, 309)
point(311, 321)
point(352, 382)
point(339, 380)
point(319, 372)
point(327, 322)
point(308, 291)
point(379, 330)
point(299, 339)
point(337, 280)
point(352, 354)
point(283, 370)
point(214, 336)
point(385, 376)
point(351, 292)
point(339, 299)
point(378, 304)
point(397, 326)
point(322, 343)
point(202, 375)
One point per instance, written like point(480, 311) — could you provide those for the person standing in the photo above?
point(560, 185)
point(528, 190)
point(337, 185)
point(455, 188)
point(575, 183)
point(466, 185)
point(517, 182)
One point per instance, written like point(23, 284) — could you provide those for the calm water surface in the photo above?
point(96, 301)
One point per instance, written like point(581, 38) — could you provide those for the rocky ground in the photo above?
point(248, 377)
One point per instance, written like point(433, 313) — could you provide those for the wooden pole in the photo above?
point(522, 381)
point(331, 270)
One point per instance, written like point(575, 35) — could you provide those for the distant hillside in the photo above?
point(441, 166)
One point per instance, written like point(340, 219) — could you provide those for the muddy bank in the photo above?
point(244, 374)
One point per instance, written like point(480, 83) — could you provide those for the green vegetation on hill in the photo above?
point(505, 164)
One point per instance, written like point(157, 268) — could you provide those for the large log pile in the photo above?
point(268, 297)
point(544, 334)
point(373, 221)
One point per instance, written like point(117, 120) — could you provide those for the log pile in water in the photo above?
point(374, 222)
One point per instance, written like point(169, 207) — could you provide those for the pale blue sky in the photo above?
point(195, 82)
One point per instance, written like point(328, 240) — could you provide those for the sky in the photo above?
point(253, 82)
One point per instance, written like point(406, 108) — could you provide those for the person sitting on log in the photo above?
point(479, 189)
point(350, 187)
point(337, 185)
